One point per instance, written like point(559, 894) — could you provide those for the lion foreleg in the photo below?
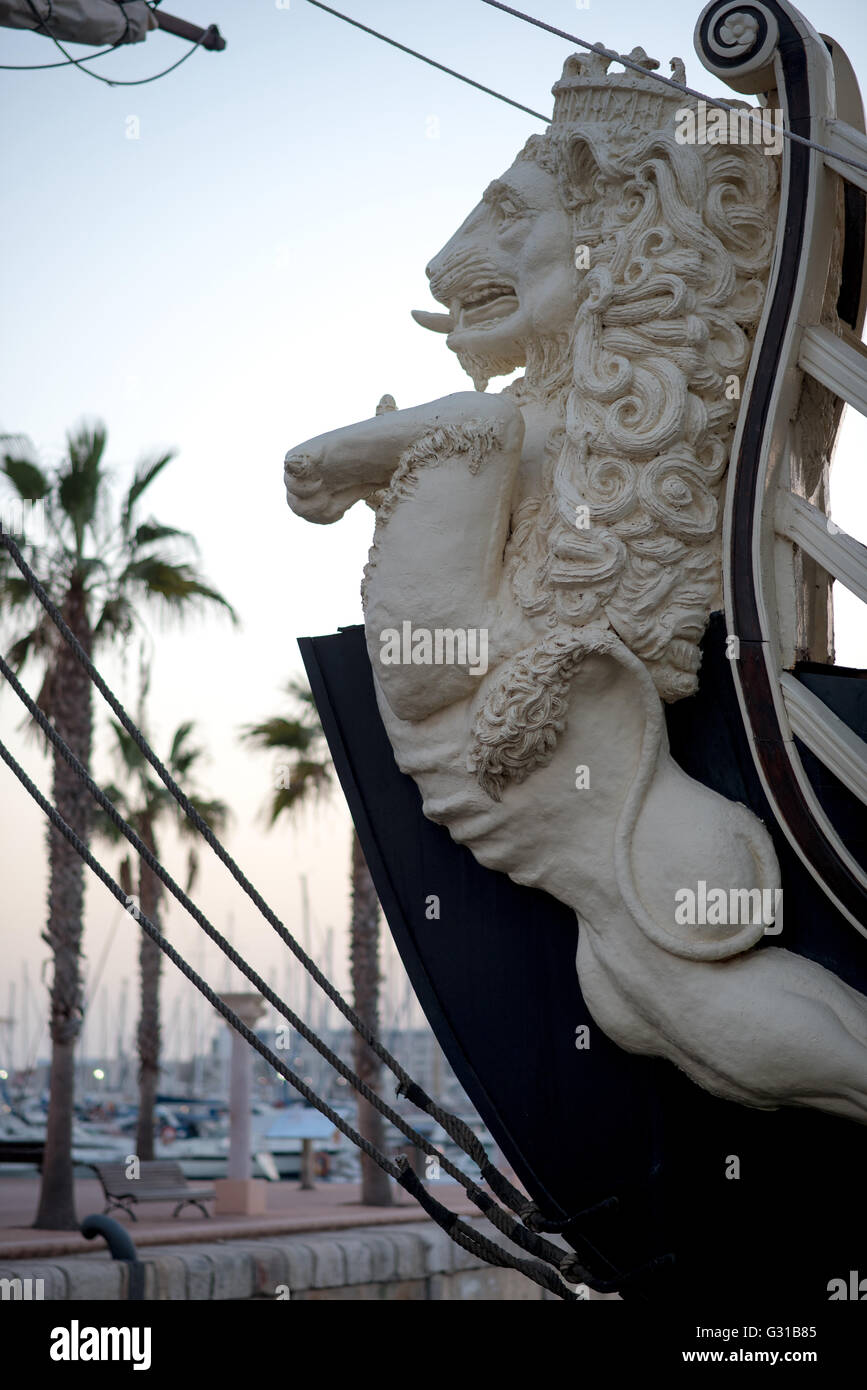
point(433, 585)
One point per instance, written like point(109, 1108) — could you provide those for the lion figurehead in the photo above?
point(625, 271)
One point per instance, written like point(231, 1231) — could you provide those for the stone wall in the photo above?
point(401, 1262)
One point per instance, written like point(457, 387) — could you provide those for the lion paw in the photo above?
point(306, 492)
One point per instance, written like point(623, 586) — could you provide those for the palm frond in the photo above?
point(288, 800)
point(103, 826)
point(287, 735)
point(125, 875)
point(127, 751)
point(297, 785)
point(117, 619)
point(15, 592)
point(81, 476)
point(86, 566)
point(85, 448)
point(178, 585)
point(182, 755)
point(31, 644)
point(307, 773)
point(145, 472)
point(150, 531)
point(192, 869)
point(212, 810)
point(27, 478)
point(300, 691)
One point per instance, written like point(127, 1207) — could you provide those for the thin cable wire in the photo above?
point(40, 67)
point(430, 61)
point(526, 1239)
point(457, 1130)
point(670, 82)
point(465, 1235)
point(138, 82)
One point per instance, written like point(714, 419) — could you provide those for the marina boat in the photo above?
point(20, 1136)
point(201, 1144)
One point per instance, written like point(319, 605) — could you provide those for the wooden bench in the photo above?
point(158, 1181)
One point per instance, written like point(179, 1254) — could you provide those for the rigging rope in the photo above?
point(457, 1130)
point(525, 1236)
point(505, 1223)
point(465, 1235)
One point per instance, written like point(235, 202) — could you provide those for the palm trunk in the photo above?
point(376, 1188)
point(150, 965)
point(70, 708)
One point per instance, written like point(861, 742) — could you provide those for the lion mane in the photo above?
point(645, 392)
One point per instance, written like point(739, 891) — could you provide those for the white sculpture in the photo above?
point(574, 519)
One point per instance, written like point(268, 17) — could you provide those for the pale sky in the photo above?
point(233, 281)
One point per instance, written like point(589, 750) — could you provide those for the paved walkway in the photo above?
point(331, 1206)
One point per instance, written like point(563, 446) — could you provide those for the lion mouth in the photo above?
point(484, 304)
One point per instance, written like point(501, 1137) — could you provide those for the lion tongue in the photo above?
point(437, 323)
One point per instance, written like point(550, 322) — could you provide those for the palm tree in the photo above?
point(303, 774)
point(145, 804)
point(102, 564)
